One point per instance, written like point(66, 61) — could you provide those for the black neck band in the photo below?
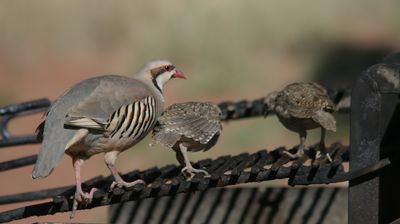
point(154, 80)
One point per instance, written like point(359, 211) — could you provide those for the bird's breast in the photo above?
point(298, 124)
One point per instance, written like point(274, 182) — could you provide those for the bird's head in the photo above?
point(269, 103)
point(159, 72)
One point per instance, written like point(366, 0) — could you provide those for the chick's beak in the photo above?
point(179, 74)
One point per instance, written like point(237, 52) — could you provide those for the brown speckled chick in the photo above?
point(191, 126)
point(301, 107)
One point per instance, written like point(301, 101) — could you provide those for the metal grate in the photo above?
point(225, 170)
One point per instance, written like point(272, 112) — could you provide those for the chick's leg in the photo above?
point(109, 159)
point(180, 158)
point(300, 149)
point(188, 166)
point(322, 147)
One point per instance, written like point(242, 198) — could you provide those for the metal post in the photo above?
point(375, 134)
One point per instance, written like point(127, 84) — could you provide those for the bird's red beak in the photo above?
point(179, 74)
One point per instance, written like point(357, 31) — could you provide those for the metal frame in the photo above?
point(11, 111)
point(375, 124)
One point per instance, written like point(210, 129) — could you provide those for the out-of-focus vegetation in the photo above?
point(230, 50)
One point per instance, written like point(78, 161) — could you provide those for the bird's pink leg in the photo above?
point(119, 181)
point(110, 158)
point(79, 194)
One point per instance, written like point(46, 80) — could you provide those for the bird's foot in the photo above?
point(329, 157)
point(189, 172)
point(296, 155)
point(319, 155)
point(121, 184)
point(83, 198)
point(323, 151)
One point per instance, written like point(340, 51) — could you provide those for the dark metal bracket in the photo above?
point(11, 111)
point(374, 136)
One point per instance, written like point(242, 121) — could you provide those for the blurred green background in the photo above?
point(230, 50)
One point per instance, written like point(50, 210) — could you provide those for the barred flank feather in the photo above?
point(132, 120)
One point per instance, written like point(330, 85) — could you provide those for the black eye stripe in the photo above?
point(161, 69)
point(158, 71)
point(169, 68)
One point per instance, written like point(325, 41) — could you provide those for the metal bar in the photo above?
point(34, 195)
point(11, 111)
point(16, 163)
point(15, 141)
point(26, 106)
point(46, 193)
point(254, 108)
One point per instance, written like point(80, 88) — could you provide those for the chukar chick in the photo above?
point(191, 126)
point(301, 107)
point(106, 114)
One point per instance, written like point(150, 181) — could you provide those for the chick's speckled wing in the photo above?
point(303, 100)
point(195, 120)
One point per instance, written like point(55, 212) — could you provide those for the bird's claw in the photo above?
point(323, 151)
point(329, 157)
point(192, 172)
point(319, 155)
point(115, 184)
point(83, 198)
point(296, 155)
point(121, 184)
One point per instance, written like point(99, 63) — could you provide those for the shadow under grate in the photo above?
point(239, 205)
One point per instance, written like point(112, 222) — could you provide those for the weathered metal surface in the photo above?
point(375, 124)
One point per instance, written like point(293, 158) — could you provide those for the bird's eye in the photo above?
point(168, 68)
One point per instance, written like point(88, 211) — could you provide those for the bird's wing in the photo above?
point(199, 121)
point(325, 119)
point(164, 138)
point(130, 121)
point(108, 97)
point(95, 98)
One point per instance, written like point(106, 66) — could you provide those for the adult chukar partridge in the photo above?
point(191, 126)
point(301, 107)
point(106, 114)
